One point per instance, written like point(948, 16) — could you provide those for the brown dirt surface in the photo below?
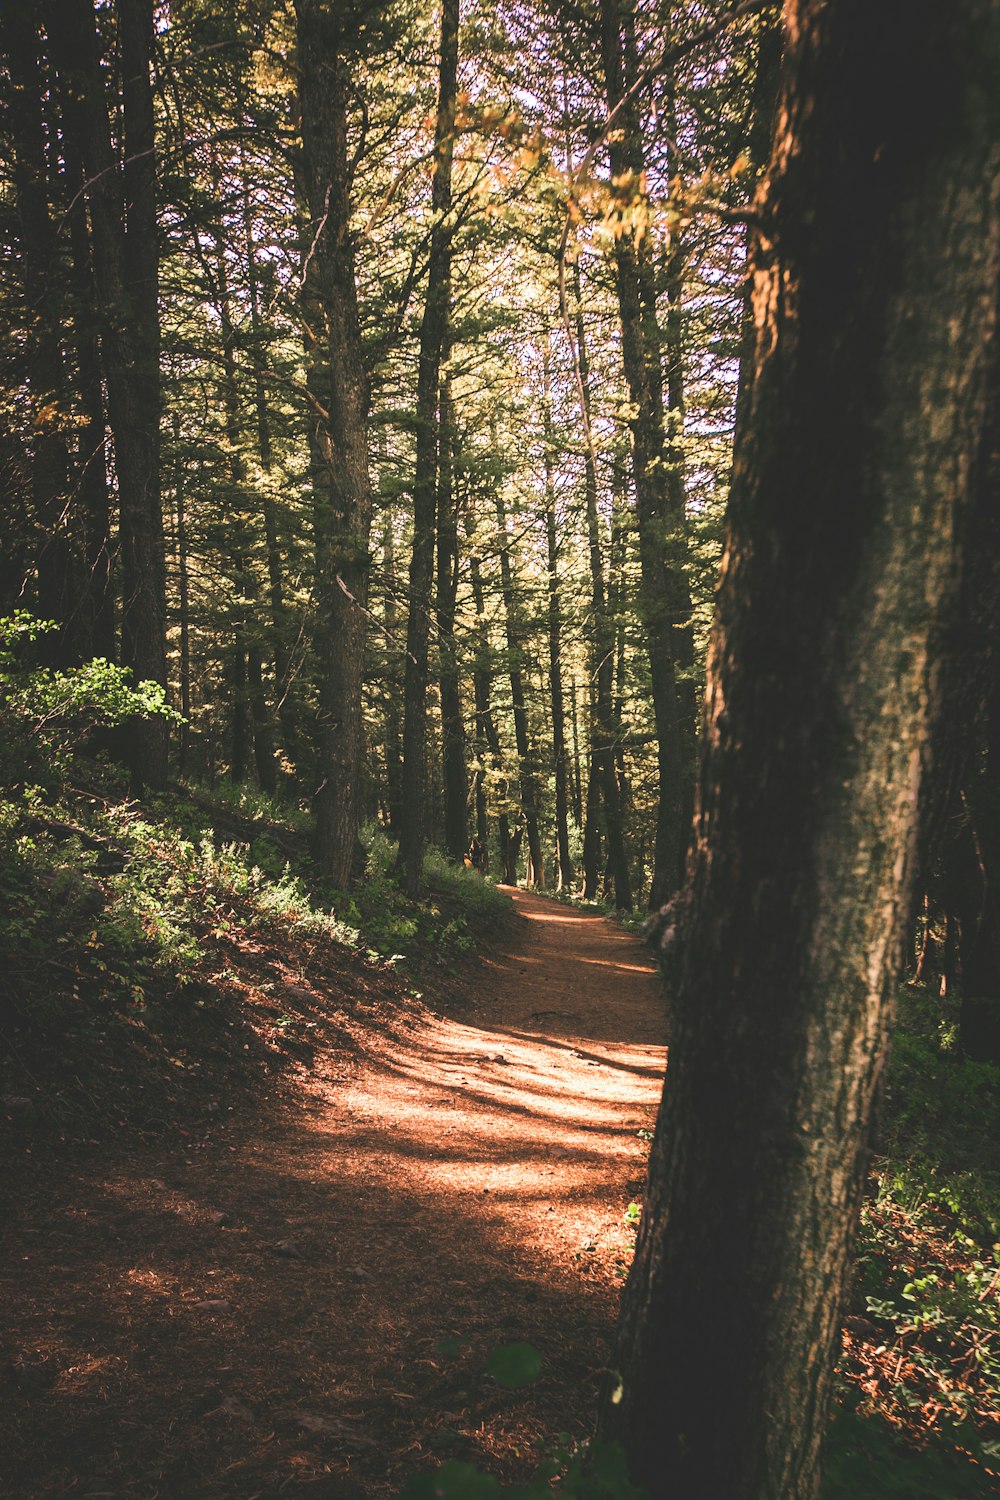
point(300, 1298)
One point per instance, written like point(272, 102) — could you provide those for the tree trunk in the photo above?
point(253, 696)
point(875, 291)
point(602, 734)
point(393, 751)
point(487, 735)
point(275, 565)
point(456, 776)
point(91, 478)
point(525, 750)
point(564, 878)
point(338, 385)
point(433, 335)
point(42, 278)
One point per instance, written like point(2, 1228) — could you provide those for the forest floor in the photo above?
point(300, 1295)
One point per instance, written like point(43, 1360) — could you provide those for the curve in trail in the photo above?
point(261, 1312)
point(533, 1098)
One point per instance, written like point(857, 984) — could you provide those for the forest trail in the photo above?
point(262, 1311)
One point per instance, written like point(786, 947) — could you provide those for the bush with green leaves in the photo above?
point(45, 715)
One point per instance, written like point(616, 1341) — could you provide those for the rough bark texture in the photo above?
point(875, 289)
point(338, 385)
point(433, 334)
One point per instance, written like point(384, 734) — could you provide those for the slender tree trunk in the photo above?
point(393, 749)
point(275, 564)
point(603, 734)
point(456, 776)
point(252, 696)
point(564, 878)
point(184, 608)
point(91, 477)
point(338, 386)
point(42, 279)
point(525, 750)
point(576, 783)
point(592, 819)
point(433, 336)
point(239, 727)
point(486, 728)
point(875, 294)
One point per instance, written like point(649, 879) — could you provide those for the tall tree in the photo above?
point(559, 757)
point(876, 276)
point(339, 397)
point(456, 779)
point(433, 336)
point(121, 195)
point(39, 258)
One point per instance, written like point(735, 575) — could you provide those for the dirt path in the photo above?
point(260, 1312)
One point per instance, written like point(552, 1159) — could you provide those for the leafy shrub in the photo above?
point(44, 715)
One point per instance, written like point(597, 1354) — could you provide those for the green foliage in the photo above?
point(514, 1365)
point(926, 1275)
point(44, 715)
point(441, 926)
point(574, 1471)
point(865, 1460)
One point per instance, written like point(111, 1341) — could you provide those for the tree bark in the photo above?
point(42, 278)
point(875, 298)
point(91, 474)
point(526, 755)
point(393, 748)
point(433, 335)
point(275, 563)
point(564, 879)
point(456, 776)
point(339, 388)
point(602, 732)
point(487, 734)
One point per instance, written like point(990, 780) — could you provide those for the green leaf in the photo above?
point(514, 1365)
point(453, 1481)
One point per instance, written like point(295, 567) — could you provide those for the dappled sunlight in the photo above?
point(525, 1117)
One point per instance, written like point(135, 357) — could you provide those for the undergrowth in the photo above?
point(123, 923)
point(919, 1378)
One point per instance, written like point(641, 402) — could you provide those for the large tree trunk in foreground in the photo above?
point(338, 384)
point(875, 290)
